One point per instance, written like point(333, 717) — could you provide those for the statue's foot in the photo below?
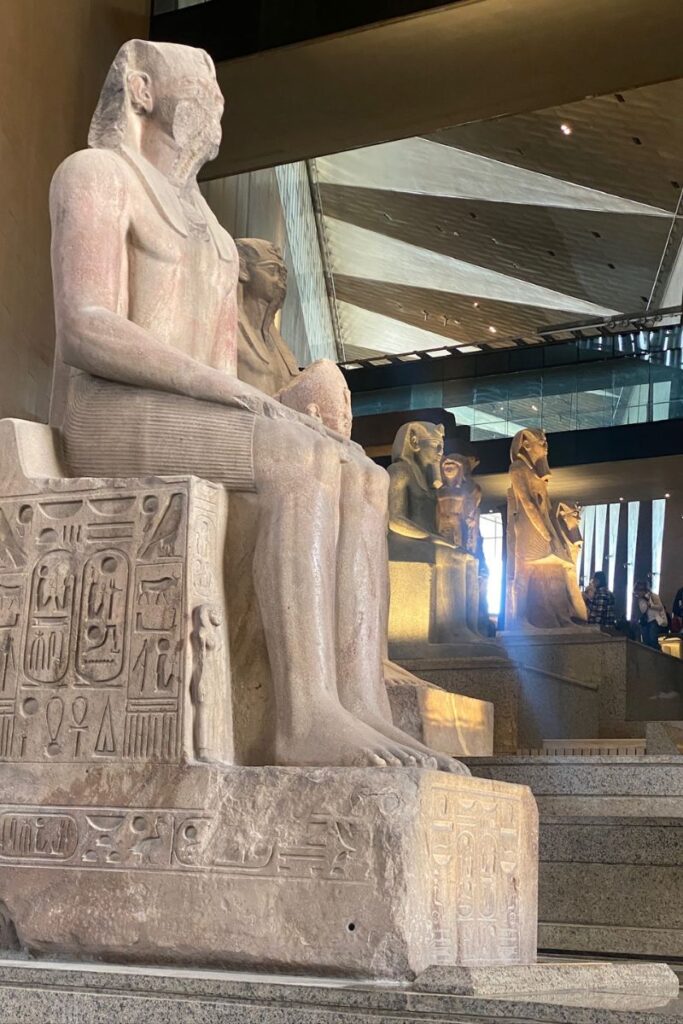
point(337, 739)
point(427, 758)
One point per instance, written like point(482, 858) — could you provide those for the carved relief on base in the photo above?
point(475, 860)
point(95, 593)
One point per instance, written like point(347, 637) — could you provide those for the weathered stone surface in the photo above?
point(343, 871)
point(115, 630)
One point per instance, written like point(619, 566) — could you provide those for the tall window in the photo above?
point(491, 526)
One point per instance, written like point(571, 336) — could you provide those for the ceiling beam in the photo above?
point(465, 62)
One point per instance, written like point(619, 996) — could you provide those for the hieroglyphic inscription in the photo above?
point(92, 612)
point(474, 862)
point(322, 846)
point(204, 553)
point(104, 597)
point(46, 651)
point(151, 728)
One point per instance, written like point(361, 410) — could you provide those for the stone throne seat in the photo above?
point(119, 790)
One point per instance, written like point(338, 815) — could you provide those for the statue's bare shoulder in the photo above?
point(90, 173)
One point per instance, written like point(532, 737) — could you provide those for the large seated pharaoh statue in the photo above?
point(145, 285)
point(125, 554)
point(541, 549)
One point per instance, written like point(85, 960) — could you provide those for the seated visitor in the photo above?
point(653, 620)
point(599, 602)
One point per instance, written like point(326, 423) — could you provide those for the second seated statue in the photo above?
point(265, 360)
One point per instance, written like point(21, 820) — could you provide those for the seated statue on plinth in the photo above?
point(265, 359)
point(130, 829)
point(541, 566)
point(423, 528)
point(145, 383)
point(458, 510)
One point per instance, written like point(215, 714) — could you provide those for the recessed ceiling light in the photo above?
point(667, 495)
point(566, 129)
point(621, 499)
point(492, 330)
point(476, 305)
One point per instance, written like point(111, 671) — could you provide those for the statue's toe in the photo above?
point(450, 764)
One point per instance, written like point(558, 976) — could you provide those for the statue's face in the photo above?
point(192, 108)
point(428, 452)
point(536, 448)
point(267, 280)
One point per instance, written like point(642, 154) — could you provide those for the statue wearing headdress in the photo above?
point(539, 562)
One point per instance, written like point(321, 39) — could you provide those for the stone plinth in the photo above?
point(583, 682)
point(365, 872)
point(449, 722)
point(481, 677)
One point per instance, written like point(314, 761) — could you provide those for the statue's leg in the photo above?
point(362, 607)
point(297, 478)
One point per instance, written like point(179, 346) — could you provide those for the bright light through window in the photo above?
point(491, 526)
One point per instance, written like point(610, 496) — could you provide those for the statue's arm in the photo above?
point(89, 209)
point(526, 500)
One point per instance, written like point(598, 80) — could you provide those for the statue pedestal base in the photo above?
point(357, 872)
point(449, 722)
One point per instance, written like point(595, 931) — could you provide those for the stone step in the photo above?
point(588, 748)
point(66, 993)
point(611, 850)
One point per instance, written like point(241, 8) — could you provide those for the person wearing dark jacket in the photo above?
point(599, 602)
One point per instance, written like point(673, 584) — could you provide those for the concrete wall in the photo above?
point(53, 58)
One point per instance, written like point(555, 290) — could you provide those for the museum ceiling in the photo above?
point(490, 231)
